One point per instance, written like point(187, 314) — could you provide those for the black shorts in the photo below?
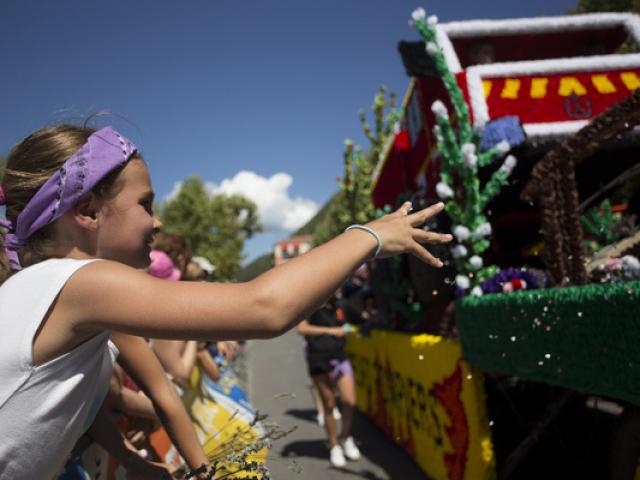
point(321, 364)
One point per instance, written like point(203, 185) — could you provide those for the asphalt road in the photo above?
point(279, 386)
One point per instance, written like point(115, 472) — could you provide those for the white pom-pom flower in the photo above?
point(469, 154)
point(418, 14)
point(444, 191)
point(432, 21)
point(462, 281)
point(431, 48)
point(439, 110)
point(476, 262)
point(477, 291)
point(509, 164)
point(503, 147)
point(483, 230)
point(468, 149)
point(630, 266)
point(461, 233)
point(459, 251)
point(631, 262)
point(471, 161)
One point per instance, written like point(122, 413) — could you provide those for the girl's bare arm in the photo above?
point(178, 364)
point(208, 364)
point(105, 433)
point(108, 295)
point(141, 363)
point(305, 328)
point(126, 400)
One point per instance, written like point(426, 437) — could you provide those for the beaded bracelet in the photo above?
point(372, 232)
point(201, 469)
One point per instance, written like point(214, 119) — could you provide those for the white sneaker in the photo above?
point(350, 449)
point(336, 413)
point(336, 457)
point(320, 419)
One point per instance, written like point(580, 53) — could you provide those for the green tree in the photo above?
point(353, 204)
point(594, 6)
point(217, 226)
point(588, 6)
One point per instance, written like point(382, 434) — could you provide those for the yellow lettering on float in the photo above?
point(511, 88)
point(603, 84)
point(571, 86)
point(486, 85)
point(630, 80)
point(539, 87)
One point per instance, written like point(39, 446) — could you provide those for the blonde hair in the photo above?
point(29, 165)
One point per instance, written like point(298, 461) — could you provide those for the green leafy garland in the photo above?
point(460, 162)
point(601, 223)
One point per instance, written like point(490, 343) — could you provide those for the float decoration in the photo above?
point(461, 159)
point(601, 222)
point(577, 337)
point(553, 184)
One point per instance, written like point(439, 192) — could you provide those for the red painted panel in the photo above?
point(553, 107)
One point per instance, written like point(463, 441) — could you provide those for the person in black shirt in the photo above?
point(330, 368)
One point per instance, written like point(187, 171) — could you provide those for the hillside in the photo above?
point(255, 268)
point(264, 262)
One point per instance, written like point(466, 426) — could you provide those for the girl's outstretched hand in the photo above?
point(403, 232)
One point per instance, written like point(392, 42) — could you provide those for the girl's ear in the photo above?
point(85, 211)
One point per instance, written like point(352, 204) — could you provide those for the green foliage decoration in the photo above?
point(460, 187)
point(216, 226)
point(600, 223)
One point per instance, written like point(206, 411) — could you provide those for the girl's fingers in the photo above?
point(404, 210)
point(421, 217)
point(424, 255)
point(421, 236)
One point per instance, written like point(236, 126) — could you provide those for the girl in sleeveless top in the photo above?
point(79, 227)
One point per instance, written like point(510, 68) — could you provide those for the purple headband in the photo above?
point(104, 151)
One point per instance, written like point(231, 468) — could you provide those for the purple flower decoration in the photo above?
point(514, 279)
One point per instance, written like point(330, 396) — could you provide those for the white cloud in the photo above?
point(177, 186)
point(276, 208)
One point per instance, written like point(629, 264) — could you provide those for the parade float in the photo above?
point(522, 351)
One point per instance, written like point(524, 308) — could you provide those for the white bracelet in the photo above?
point(372, 232)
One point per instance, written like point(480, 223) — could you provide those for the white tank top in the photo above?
point(44, 409)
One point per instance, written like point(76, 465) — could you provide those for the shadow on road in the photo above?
point(319, 449)
point(305, 448)
point(308, 414)
point(374, 447)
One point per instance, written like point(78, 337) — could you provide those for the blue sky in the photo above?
point(218, 87)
